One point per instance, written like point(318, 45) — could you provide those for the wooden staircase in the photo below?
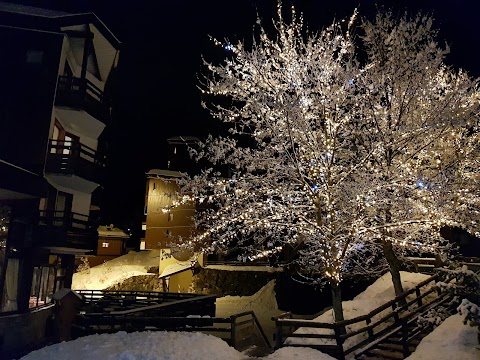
point(400, 342)
point(388, 332)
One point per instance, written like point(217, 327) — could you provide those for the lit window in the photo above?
point(170, 217)
point(105, 244)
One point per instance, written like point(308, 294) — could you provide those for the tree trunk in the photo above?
point(337, 302)
point(394, 264)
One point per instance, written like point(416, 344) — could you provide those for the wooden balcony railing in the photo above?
point(82, 94)
point(72, 157)
point(66, 229)
point(67, 220)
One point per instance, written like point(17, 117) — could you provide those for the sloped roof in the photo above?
point(114, 232)
point(60, 18)
point(156, 173)
point(183, 140)
point(30, 10)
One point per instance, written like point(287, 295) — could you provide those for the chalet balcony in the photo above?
point(82, 95)
point(67, 230)
point(74, 159)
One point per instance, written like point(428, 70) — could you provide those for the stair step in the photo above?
point(394, 347)
point(386, 354)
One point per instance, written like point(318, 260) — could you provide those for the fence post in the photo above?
point(339, 332)
point(233, 330)
point(406, 350)
point(278, 334)
point(370, 331)
point(419, 299)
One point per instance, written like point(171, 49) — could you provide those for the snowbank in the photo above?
point(158, 346)
point(300, 353)
point(263, 303)
point(373, 297)
point(115, 271)
point(451, 340)
point(140, 346)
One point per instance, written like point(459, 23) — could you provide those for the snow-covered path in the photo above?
point(117, 270)
point(450, 341)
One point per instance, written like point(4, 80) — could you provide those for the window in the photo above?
point(46, 281)
point(170, 216)
point(145, 210)
point(168, 233)
point(105, 244)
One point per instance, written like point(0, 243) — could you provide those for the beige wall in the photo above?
point(160, 194)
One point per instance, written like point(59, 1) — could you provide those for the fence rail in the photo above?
point(392, 316)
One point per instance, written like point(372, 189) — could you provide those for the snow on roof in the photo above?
point(176, 268)
point(111, 231)
point(155, 173)
point(60, 294)
point(183, 139)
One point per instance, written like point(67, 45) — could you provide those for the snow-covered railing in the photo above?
point(132, 295)
point(361, 333)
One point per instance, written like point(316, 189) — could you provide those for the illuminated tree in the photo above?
point(334, 159)
point(419, 112)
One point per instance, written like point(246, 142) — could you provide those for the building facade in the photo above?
point(54, 69)
point(162, 228)
point(111, 244)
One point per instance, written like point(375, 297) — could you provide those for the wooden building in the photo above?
point(54, 68)
point(111, 244)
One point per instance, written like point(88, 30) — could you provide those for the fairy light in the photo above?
point(340, 157)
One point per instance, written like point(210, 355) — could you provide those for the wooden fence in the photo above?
point(240, 330)
point(393, 317)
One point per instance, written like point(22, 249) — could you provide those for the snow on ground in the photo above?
point(263, 303)
point(298, 353)
point(160, 345)
point(450, 341)
point(373, 297)
point(115, 271)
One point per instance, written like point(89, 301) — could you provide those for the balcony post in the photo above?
point(86, 52)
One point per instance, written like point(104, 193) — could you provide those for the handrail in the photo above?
point(66, 219)
point(398, 305)
point(84, 86)
point(257, 323)
point(75, 148)
point(69, 144)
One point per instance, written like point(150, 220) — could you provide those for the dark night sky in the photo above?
point(155, 84)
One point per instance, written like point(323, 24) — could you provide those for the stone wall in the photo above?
point(223, 282)
point(207, 281)
point(139, 283)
